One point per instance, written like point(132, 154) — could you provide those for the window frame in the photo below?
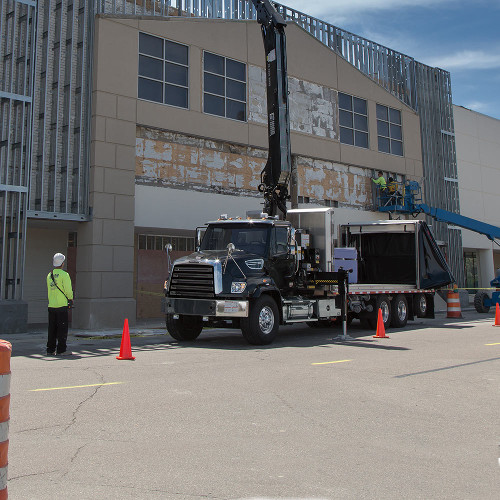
point(388, 122)
point(225, 78)
point(353, 114)
point(164, 61)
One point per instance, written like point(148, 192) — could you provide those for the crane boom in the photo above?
point(275, 176)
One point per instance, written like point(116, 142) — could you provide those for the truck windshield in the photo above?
point(251, 239)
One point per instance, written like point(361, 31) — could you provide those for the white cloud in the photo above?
point(478, 106)
point(468, 59)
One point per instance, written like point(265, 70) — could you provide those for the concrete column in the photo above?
point(105, 258)
point(486, 268)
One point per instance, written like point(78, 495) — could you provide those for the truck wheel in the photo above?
point(381, 302)
point(420, 305)
point(261, 326)
point(479, 299)
point(185, 327)
point(399, 311)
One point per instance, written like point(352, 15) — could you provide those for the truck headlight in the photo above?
point(238, 286)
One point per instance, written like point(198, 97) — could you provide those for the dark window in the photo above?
point(390, 134)
point(353, 120)
point(224, 87)
point(280, 243)
point(163, 71)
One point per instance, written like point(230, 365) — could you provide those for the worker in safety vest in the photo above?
point(60, 294)
point(380, 181)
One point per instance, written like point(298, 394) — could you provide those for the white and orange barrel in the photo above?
point(5, 353)
point(453, 309)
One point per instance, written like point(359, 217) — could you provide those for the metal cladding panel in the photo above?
point(319, 224)
point(17, 56)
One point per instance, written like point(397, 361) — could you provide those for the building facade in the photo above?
point(149, 119)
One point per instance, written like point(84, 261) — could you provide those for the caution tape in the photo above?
point(154, 294)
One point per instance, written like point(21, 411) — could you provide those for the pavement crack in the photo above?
point(88, 398)
point(33, 474)
point(38, 428)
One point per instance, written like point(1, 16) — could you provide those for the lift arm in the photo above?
point(276, 174)
point(492, 232)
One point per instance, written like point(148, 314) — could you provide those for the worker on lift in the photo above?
point(380, 181)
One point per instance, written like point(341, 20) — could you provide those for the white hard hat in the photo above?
point(58, 259)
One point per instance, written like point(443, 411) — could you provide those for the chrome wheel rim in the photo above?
point(401, 310)
point(266, 320)
point(423, 303)
point(385, 311)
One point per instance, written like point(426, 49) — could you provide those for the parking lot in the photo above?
point(412, 416)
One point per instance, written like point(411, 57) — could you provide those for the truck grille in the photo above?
point(192, 281)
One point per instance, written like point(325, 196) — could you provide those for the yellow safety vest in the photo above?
point(63, 281)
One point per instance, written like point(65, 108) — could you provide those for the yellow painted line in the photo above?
point(496, 343)
point(74, 387)
point(332, 362)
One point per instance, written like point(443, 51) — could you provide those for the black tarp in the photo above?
point(434, 270)
point(389, 258)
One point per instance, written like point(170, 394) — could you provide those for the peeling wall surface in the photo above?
point(173, 160)
point(313, 107)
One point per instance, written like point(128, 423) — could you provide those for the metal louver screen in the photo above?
point(193, 281)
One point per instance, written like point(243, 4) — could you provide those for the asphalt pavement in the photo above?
point(412, 416)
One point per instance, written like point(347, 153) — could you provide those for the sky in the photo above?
point(462, 37)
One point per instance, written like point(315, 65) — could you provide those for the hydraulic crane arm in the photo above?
point(492, 232)
point(276, 174)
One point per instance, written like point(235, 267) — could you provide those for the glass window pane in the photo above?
point(359, 105)
point(150, 90)
point(142, 242)
point(395, 116)
point(152, 68)
point(345, 118)
point(382, 112)
point(361, 122)
point(158, 243)
point(397, 148)
point(346, 136)
point(383, 145)
point(176, 52)
point(175, 243)
point(345, 101)
point(361, 139)
point(176, 74)
point(236, 90)
point(214, 84)
point(182, 244)
point(151, 242)
point(382, 128)
point(150, 45)
point(213, 105)
point(190, 244)
point(176, 96)
point(236, 110)
point(213, 63)
point(235, 69)
point(396, 132)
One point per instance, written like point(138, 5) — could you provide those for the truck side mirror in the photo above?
point(200, 231)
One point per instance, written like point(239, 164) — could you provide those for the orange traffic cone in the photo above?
point(380, 327)
point(125, 347)
point(497, 315)
point(453, 309)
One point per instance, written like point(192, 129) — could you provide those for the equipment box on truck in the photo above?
point(399, 268)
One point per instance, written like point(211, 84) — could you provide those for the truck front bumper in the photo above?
point(207, 307)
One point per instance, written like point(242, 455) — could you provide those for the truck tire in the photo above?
point(185, 327)
point(399, 311)
point(479, 299)
point(420, 305)
point(261, 326)
point(381, 302)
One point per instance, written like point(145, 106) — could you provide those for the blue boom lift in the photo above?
point(406, 198)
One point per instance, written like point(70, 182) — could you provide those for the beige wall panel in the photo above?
point(124, 207)
point(412, 145)
point(353, 155)
point(206, 33)
point(467, 147)
point(104, 104)
point(306, 145)
point(102, 154)
point(103, 205)
point(195, 79)
point(101, 257)
point(89, 284)
point(123, 259)
point(44, 243)
point(119, 181)
point(116, 67)
point(118, 284)
point(470, 176)
point(191, 122)
point(308, 58)
point(489, 152)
